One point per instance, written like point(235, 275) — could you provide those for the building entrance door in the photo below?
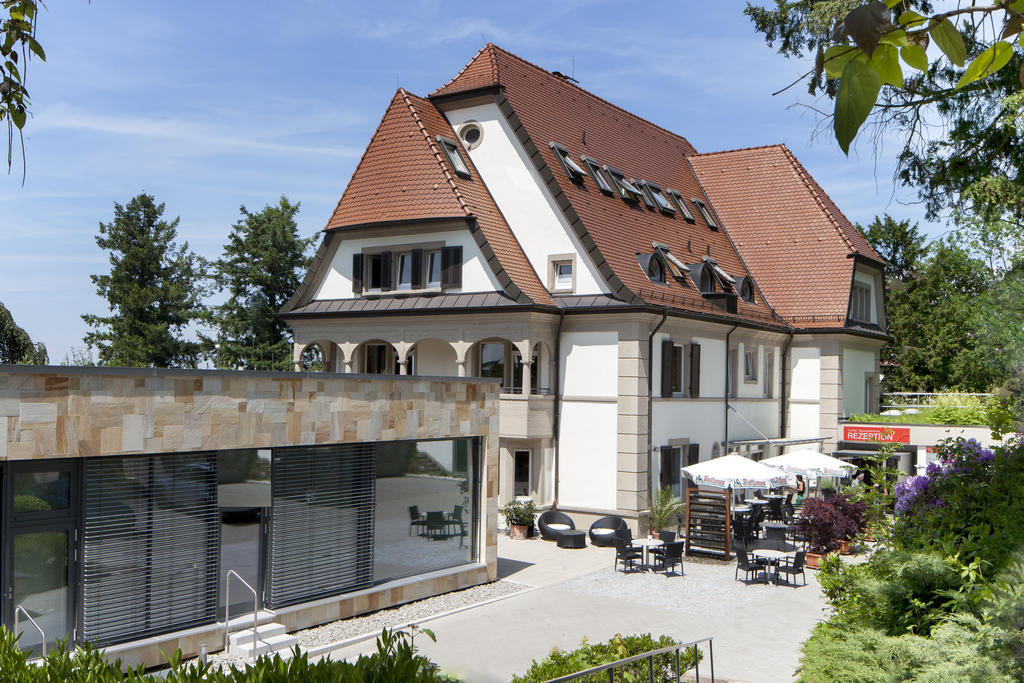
point(243, 498)
point(40, 519)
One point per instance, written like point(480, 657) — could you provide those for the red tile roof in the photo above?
point(403, 175)
point(552, 109)
point(792, 236)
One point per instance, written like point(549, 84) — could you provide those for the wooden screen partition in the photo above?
point(707, 522)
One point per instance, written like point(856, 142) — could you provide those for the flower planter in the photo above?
point(844, 547)
point(813, 560)
point(519, 531)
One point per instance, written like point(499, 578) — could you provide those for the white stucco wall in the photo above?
point(587, 458)
point(590, 362)
point(536, 220)
point(702, 422)
point(759, 419)
point(857, 364)
point(804, 420)
point(436, 358)
point(806, 377)
point(712, 366)
point(476, 274)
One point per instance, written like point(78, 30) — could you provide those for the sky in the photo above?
point(211, 106)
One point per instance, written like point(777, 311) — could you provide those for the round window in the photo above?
point(471, 134)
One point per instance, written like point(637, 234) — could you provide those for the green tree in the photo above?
point(898, 242)
point(18, 43)
point(261, 267)
point(872, 61)
point(154, 290)
point(16, 347)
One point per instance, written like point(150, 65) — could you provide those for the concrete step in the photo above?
point(263, 631)
point(281, 643)
point(244, 619)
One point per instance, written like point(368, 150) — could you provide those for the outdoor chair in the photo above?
point(416, 520)
point(437, 525)
point(789, 499)
point(671, 555)
point(749, 566)
point(759, 495)
point(756, 519)
point(551, 522)
point(775, 509)
point(792, 568)
point(602, 532)
point(626, 554)
point(667, 537)
point(740, 529)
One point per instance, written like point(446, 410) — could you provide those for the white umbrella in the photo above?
point(809, 463)
point(735, 472)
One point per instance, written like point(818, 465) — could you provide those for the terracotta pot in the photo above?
point(654, 534)
point(813, 560)
point(844, 547)
point(519, 531)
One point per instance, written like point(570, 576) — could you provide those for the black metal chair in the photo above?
point(416, 520)
point(759, 495)
point(671, 555)
point(756, 519)
point(789, 499)
point(749, 566)
point(792, 568)
point(553, 517)
point(626, 554)
point(602, 531)
point(666, 538)
point(775, 509)
point(437, 525)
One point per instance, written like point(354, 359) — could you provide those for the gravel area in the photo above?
point(390, 618)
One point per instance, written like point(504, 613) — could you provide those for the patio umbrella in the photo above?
point(735, 472)
point(810, 464)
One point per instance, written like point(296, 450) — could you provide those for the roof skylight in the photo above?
point(684, 210)
point(451, 150)
point(705, 213)
point(626, 189)
point(597, 174)
point(572, 170)
point(660, 200)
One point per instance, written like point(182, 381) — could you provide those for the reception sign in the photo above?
point(876, 433)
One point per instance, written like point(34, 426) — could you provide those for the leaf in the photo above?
point(866, 23)
point(910, 19)
point(987, 63)
point(915, 57)
point(36, 48)
point(819, 62)
point(949, 41)
point(897, 37)
point(1012, 28)
point(1020, 75)
point(18, 117)
point(836, 58)
point(886, 62)
point(858, 90)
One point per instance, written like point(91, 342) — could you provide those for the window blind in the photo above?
point(150, 544)
point(322, 520)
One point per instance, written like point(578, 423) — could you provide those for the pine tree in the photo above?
point(154, 289)
point(16, 347)
point(261, 267)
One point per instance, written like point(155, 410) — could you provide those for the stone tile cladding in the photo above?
point(64, 412)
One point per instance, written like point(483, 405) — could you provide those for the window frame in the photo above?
point(626, 190)
point(573, 171)
point(453, 151)
point(554, 261)
point(704, 209)
point(413, 251)
point(750, 362)
point(661, 201)
point(680, 202)
point(429, 254)
point(599, 176)
point(403, 257)
point(860, 296)
point(768, 384)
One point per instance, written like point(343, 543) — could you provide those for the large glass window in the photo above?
point(434, 268)
point(46, 491)
point(40, 585)
point(424, 508)
point(492, 360)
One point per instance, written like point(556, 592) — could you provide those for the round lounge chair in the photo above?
point(602, 532)
point(551, 522)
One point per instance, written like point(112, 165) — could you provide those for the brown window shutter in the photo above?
point(417, 268)
point(451, 267)
point(357, 273)
point(386, 274)
point(692, 454)
point(694, 382)
point(667, 366)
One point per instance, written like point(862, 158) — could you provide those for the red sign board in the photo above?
point(883, 434)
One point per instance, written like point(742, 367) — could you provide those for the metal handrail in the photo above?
point(611, 666)
point(227, 606)
point(21, 609)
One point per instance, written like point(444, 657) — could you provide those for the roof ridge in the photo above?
point(362, 158)
point(437, 152)
point(494, 67)
point(807, 180)
point(740, 149)
point(497, 48)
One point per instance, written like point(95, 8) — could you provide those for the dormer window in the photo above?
point(707, 280)
point(454, 154)
point(660, 200)
point(705, 213)
point(626, 189)
point(598, 175)
point(653, 266)
point(860, 302)
point(680, 203)
point(675, 267)
point(573, 171)
point(746, 289)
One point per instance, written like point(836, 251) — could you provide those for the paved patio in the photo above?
point(757, 629)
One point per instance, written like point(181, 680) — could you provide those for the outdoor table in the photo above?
point(772, 557)
point(755, 501)
point(572, 538)
point(775, 531)
point(647, 544)
point(741, 508)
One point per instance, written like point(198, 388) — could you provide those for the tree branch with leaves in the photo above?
point(18, 45)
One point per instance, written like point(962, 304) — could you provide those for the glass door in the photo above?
point(243, 498)
point(39, 550)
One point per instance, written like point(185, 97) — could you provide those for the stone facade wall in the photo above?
point(84, 412)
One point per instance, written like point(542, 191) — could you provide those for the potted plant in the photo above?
point(518, 516)
point(664, 507)
point(818, 523)
point(852, 520)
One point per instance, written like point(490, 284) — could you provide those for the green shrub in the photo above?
point(565, 662)
point(28, 503)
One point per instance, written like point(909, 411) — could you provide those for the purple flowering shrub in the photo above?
point(969, 501)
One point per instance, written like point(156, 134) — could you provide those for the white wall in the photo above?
point(806, 384)
point(856, 365)
point(476, 274)
point(535, 219)
point(699, 421)
point(763, 415)
point(803, 421)
point(587, 458)
point(590, 364)
point(712, 366)
point(436, 358)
